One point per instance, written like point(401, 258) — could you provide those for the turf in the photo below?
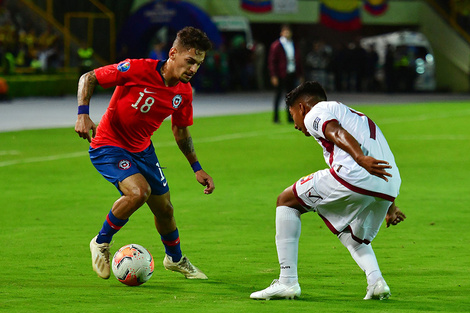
point(53, 202)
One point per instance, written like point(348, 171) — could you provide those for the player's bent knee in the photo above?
point(288, 198)
point(136, 188)
point(139, 194)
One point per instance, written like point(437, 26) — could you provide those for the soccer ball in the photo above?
point(133, 265)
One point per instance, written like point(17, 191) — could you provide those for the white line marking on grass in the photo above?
point(9, 152)
point(157, 145)
point(242, 135)
point(219, 138)
point(423, 117)
point(44, 158)
point(435, 137)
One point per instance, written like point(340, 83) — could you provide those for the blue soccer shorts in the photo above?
point(116, 164)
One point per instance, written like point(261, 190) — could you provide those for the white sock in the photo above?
point(363, 255)
point(287, 243)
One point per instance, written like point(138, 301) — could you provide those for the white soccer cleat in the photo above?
point(277, 290)
point(184, 267)
point(100, 258)
point(379, 290)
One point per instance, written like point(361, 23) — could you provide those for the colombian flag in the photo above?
point(257, 6)
point(343, 15)
point(376, 7)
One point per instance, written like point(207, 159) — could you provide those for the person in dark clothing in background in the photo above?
point(285, 67)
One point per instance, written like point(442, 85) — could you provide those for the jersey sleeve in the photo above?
point(116, 74)
point(183, 117)
point(317, 119)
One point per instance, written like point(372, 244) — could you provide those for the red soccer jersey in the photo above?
point(139, 104)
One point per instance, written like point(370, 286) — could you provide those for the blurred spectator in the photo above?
point(372, 61)
point(215, 71)
point(357, 66)
point(405, 69)
point(159, 51)
point(48, 51)
point(285, 68)
point(241, 67)
point(317, 63)
point(8, 42)
point(23, 47)
point(259, 60)
point(389, 69)
point(85, 54)
point(337, 66)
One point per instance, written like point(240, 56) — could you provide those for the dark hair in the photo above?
point(309, 88)
point(190, 37)
point(288, 26)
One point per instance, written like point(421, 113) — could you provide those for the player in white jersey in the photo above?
point(353, 196)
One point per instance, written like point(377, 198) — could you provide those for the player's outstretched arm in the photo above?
point(344, 140)
point(84, 124)
point(185, 143)
point(394, 215)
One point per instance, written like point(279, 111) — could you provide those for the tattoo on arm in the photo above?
point(186, 145)
point(86, 86)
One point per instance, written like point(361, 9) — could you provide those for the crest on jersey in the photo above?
point(177, 101)
point(124, 66)
point(316, 122)
point(124, 164)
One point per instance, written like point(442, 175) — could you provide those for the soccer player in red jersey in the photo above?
point(147, 91)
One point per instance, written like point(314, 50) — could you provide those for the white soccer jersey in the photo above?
point(342, 165)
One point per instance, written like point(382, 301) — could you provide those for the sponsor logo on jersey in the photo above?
point(316, 122)
point(311, 195)
point(124, 66)
point(148, 91)
point(177, 101)
point(124, 164)
point(305, 179)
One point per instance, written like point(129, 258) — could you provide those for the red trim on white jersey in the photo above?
point(372, 126)
point(361, 190)
point(336, 232)
point(302, 203)
point(329, 146)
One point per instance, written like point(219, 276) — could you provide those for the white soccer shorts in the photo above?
point(341, 208)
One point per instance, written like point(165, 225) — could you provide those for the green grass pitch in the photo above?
point(53, 202)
